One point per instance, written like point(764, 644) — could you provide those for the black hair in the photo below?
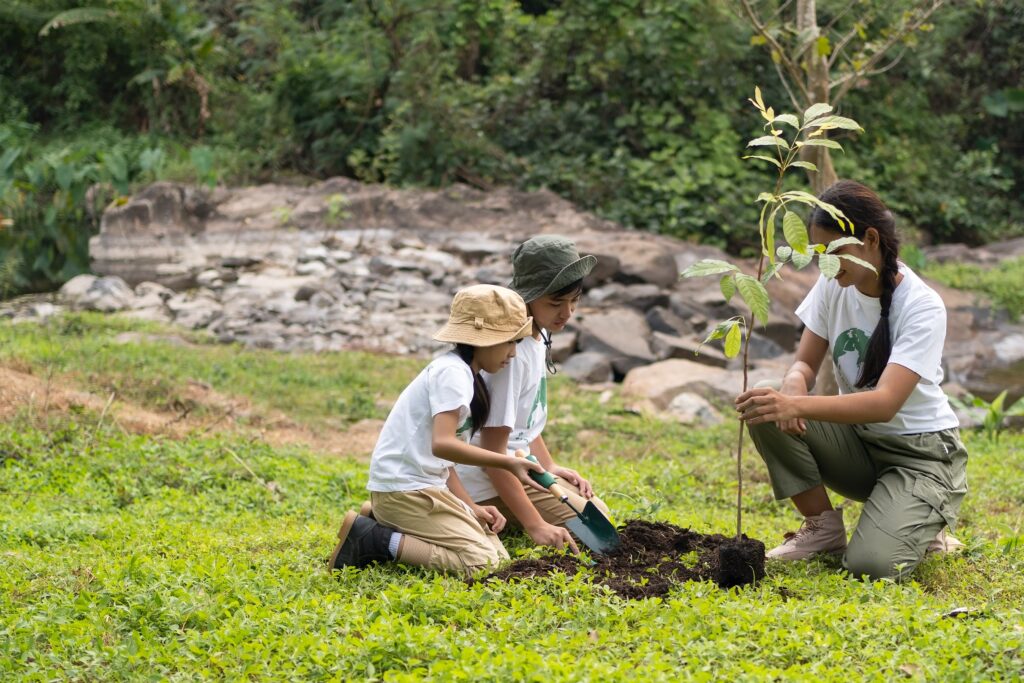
point(571, 288)
point(480, 406)
point(866, 210)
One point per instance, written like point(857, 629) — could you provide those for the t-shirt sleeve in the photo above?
point(813, 310)
point(503, 389)
point(450, 388)
point(919, 340)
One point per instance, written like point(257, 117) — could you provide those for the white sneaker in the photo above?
point(944, 543)
point(824, 533)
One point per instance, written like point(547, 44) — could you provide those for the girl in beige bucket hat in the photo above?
point(421, 512)
point(548, 273)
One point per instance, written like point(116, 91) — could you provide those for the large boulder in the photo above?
point(618, 333)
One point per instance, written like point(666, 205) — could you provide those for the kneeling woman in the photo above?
point(889, 438)
point(422, 515)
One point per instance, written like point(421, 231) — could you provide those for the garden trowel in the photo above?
point(590, 525)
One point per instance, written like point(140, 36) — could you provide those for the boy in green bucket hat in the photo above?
point(548, 273)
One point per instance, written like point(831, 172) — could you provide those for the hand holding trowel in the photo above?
point(590, 526)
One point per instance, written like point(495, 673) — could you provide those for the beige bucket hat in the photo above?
point(485, 315)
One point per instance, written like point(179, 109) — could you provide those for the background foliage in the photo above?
point(632, 108)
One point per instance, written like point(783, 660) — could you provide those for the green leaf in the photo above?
point(772, 271)
point(859, 261)
point(769, 237)
point(728, 286)
point(80, 15)
point(783, 253)
point(816, 110)
point(823, 46)
point(768, 141)
point(829, 265)
point(65, 174)
point(801, 261)
point(733, 341)
point(795, 231)
point(820, 142)
point(830, 122)
point(765, 196)
point(756, 296)
point(841, 242)
point(718, 332)
point(763, 158)
point(804, 164)
point(788, 119)
point(709, 267)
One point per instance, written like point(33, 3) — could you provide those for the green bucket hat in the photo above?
point(546, 264)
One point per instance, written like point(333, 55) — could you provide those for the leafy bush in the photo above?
point(1000, 283)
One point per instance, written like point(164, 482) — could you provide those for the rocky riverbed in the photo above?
point(342, 265)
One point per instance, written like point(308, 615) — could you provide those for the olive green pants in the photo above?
point(911, 485)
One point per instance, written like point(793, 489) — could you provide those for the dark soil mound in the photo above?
point(654, 557)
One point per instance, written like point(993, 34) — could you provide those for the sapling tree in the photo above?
point(787, 135)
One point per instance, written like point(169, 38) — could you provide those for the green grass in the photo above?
point(1000, 283)
point(127, 557)
point(319, 389)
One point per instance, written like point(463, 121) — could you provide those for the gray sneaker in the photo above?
point(944, 543)
point(824, 533)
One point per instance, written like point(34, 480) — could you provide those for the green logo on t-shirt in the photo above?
point(464, 427)
point(541, 399)
point(853, 340)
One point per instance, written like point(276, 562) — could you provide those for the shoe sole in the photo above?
point(346, 527)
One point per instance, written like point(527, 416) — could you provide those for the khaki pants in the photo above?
point(911, 485)
point(551, 509)
point(441, 532)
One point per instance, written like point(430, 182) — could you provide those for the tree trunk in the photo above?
point(816, 68)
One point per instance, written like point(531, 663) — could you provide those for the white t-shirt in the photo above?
point(519, 401)
point(846, 318)
point(403, 460)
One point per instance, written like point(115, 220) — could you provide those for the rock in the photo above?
point(563, 345)
point(661, 382)
point(209, 279)
point(639, 296)
point(194, 313)
point(662, 319)
point(641, 258)
point(104, 294)
point(305, 292)
point(311, 268)
point(1010, 349)
point(669, 346)
point(762, 347)
point(588, 367)
point(239, 262)
point(318, 253)
point(474, 248)
point(784, 330)
point(693, 409)
point(618, 333)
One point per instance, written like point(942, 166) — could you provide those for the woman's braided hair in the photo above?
point(866, 210)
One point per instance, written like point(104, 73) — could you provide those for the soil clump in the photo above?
point(654, 557)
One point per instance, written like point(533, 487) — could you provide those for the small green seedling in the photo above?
point(787, 135)
point(995, 412)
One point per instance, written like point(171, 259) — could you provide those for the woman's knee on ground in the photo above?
point(880, 556)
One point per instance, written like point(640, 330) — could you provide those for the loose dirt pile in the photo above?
point(655, 557)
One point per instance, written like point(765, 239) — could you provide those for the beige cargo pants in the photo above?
point(911, 485)
point(551, 509)
point(440, 531)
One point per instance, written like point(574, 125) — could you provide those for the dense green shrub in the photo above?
point(631, 108)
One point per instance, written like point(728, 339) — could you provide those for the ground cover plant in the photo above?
point(133, 556)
